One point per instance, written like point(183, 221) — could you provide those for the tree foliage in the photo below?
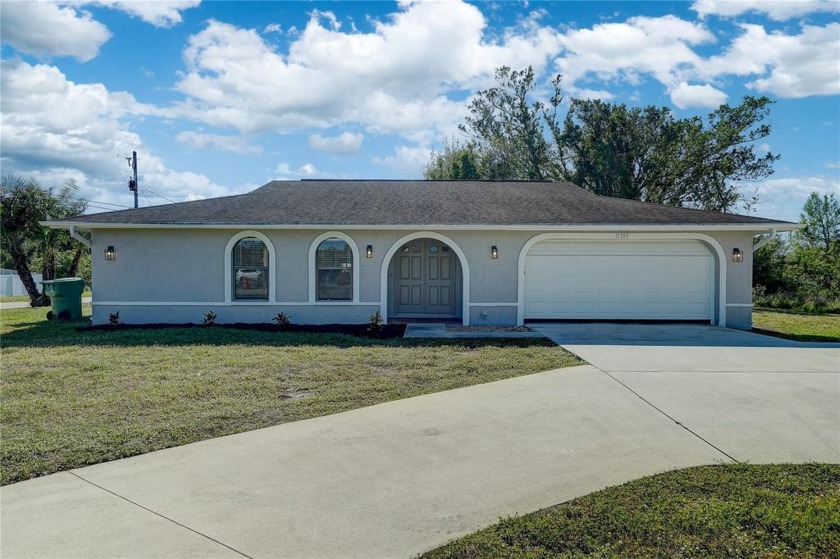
point(506, 128)
point(803, 271)
point(821, 223)
point(25, 242)
point(455, 161)
point(636, 153)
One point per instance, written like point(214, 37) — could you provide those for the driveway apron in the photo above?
point(756, 398)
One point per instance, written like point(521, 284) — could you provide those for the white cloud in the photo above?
point(308, 169)
point(784, 198)
point(273, 28)
point(586, 93)
point(233, 144)
point(779, 10)
point(406, 160)
point(788, 65)
point(285, 172)
point(54, 128)
point(391, 80)
point(659, 47)
point(687, 96)
point(47, 29)
point(345, 144)
point(160, 13)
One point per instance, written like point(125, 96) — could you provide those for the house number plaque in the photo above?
point(622, 236)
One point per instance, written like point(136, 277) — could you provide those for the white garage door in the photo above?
point(619, 280)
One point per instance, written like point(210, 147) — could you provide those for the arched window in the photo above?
point(334, 271)
point(250, 270)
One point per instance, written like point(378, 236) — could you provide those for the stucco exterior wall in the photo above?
point(178, 275)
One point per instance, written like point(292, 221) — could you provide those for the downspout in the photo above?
point(764, 240)
point(75, 235)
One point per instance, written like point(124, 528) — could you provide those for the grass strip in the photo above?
point(797, 326)
point(708, 512)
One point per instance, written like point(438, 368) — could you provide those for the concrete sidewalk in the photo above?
point(399, 478)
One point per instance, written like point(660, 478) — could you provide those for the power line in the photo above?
point(159, 196)
point(102, 203)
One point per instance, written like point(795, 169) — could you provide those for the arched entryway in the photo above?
point(424, 277)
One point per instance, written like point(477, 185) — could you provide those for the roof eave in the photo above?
point(780, 226)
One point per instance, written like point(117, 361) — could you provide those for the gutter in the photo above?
point(75, 235)
point(774, 232)
point(88, 226)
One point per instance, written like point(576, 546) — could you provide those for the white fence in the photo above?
point(10, 284)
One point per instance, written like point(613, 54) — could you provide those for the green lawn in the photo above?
point(71, 398)
point(708, 512)
point(15, 299)
point(797, 326)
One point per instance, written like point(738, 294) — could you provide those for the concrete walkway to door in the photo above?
point(399, 478)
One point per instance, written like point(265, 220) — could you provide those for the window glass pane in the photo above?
point(250, 269)
point(334, 274)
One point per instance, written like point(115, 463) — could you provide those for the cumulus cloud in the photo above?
point(285, 172)
point(779, 10)
point(53, 127)
point(393, 80)
point(345, 144)
point(160, 13)
point(787, 65)
point(47, 29)
point(407, 160)
point(784, 198)
point(660, 47)
point(233, 144)
point(697, 96)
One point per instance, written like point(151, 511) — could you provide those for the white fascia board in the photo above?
point(756, 227)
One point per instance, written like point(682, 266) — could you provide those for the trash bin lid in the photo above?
point(62, 280)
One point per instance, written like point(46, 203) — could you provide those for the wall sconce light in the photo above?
point(370, 251)
point(494, 252)
point(737, 255)
point(110, 253)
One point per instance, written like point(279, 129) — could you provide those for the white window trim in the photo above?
point(272, 267)
point(465, 271)
point(711, 243)
point(313, 272)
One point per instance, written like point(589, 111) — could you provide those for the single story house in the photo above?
point(481, 252)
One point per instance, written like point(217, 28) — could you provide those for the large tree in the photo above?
point(814, 264)
point(820, 220)
point(507, 128)
point(23, 205)
point(637, 153)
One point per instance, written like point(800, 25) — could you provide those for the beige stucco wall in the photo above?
point(178, 275)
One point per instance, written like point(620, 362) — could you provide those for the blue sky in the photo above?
point(219, 98)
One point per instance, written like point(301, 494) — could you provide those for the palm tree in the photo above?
point(23, 205)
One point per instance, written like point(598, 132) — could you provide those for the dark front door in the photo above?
point(425, 279)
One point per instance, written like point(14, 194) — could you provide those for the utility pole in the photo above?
point(132, 183)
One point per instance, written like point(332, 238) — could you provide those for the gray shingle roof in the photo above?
point(382, 202)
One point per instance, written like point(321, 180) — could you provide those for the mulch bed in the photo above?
point(360, 330)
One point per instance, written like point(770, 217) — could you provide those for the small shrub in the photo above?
point(282, 320)
point(209, 319)
point(114, 318)
point(376, 323)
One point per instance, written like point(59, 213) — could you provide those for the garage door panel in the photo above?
point(625, 281)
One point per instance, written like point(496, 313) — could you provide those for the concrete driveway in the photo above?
point(399, 478)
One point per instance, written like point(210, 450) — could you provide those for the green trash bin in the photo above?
point(66, 296)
